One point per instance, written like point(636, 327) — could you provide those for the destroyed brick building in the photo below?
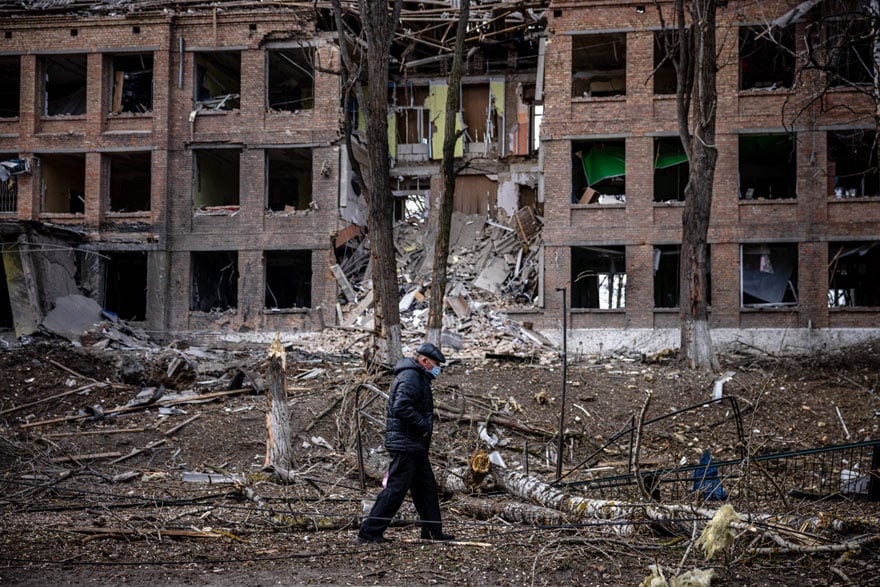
point(181, 163)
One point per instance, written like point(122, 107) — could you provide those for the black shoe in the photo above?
point(439, 537)
point(363, 539)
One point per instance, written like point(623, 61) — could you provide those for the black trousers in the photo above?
point(408, 472)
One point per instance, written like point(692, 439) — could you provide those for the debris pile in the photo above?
point(493, 269)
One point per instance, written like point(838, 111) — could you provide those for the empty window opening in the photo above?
point(854, 274)
point(598, 277)
point(766, 58)
point(130, 182)
point(412, 122)
point(665, 80)
point(598, 173)
point(289, 179)
point(852, 163)
point(64, 85)
point(769, 275)
point(217, 175)
point(411, 199)
point(214, 281)
point(525, 134)
point(125, 285)
point(291, 84)
point(479, 111)
point(666, 263)
point(671, 169)
point(10, 89)
point(288, 279)
point(10, 167)
point(132, 83)
point(767, 167)
point(849, 44)
point(218, 80)
point(598, 65)
point(63, 182)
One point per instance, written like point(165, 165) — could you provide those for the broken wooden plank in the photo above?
point(344, 284)
point(138, 451)
point(101, 431)
point(56, 396)
point(182, 424)
point(88, 457)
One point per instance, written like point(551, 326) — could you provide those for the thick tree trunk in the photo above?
point(447, 175)
point(278, 453)
point(379, 25)
point(696, 341)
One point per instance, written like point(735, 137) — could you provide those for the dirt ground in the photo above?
point(94, 494)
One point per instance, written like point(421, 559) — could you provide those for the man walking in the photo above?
point(408, 428)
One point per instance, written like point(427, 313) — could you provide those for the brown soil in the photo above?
point(70, 515)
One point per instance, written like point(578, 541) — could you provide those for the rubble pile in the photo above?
point(493, 269)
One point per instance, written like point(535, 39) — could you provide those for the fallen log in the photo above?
point(510, 511)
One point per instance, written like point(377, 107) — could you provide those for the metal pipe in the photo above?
point(564, 378)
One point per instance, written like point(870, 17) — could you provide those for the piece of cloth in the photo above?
point(410, 412)
point(407, 472)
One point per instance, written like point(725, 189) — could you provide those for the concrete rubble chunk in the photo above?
point(72, 316)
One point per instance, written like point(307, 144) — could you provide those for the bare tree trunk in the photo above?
point(696, 341)
point(447, 175)
point(278, 451)
point(379, 25)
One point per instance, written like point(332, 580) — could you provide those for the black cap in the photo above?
point(432, 352)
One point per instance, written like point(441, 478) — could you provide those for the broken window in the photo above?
point(769, 275)
point(218, 80)
point(854, 274)
point(525, 136)
point(767, 167)
point(665, 80)
point(64, 84)
point(288, 279)
point(852, 163)
point(598, 277)
point(598, 172)
point(131, 87)
point(671, 169)
point(63, 182)
point(412, 121)
point(288, 179)
point(216, 174)
point(10, 89)
point(10, 167)
point(291, 84)
point(766, 58)
point(125, 284)
point(130, 181)
point(850, 59)
point(598, 65)
point(667, 259)
point(214, 281)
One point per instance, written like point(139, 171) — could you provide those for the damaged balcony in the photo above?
point(129, 183)
point(291, 85)
point(289, 180)
point(217, 173)
point(410, 122)
point(288, 281)
point(62, 183)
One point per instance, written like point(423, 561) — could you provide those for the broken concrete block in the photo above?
point(493, 276)
point(72, 316)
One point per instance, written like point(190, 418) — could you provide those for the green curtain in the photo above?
point(604, 162)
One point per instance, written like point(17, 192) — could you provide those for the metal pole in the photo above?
point(559, 447)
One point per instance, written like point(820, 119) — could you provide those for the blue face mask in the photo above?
point(436, 371)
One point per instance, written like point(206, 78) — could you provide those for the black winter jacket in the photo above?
point(410, 412)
